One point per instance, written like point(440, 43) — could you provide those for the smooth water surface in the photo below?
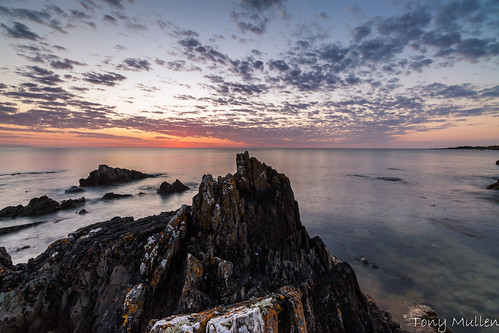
point(423, 217)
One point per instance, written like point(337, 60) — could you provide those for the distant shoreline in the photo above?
point(475, 147)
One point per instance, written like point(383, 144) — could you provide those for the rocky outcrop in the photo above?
point(176, 187)
point(106, 175)
point(39, 206)
point(494, 186)
point(36, 206)
point(238, 258)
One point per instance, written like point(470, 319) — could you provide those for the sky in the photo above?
point(249, 73)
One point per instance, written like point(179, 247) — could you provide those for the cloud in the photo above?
point(261, 4)
point(41, 75)
point(65, 64)
point(110, 19)
point(107, 79)
point(135, 64)
point(28, 14)
point(409, 25)
point(20, 30)
point(114, 3)
point(361, 32)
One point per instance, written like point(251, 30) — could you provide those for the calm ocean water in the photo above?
point(423, 217)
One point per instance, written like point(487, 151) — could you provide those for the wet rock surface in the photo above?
point(176, 187)
point(238, 258)
point(106, 175)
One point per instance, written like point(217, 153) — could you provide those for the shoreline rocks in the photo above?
point(176, 187)
point(238, 257)
point(40, 206)
point(106, 175)
point(36, 206)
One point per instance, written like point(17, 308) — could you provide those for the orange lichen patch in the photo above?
point(293, 300)
point(127, 238)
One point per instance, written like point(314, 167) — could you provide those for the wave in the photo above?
point(30, 173)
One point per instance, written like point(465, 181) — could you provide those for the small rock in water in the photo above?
point(106, 175)
point(83, 211)
point(74, 189)
point(494, 186)
point(72, 203)
point(427, 320)
point(374, 266)
point(23, 248)
point(167, 188)
point(112, 195)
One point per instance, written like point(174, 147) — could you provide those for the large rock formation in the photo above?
point(106, 175)
point(238, 260)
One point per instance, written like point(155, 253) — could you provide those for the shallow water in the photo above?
point(423, 217)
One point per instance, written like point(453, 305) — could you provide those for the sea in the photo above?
point(422, 219)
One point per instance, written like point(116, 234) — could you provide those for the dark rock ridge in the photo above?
point(167, 188)
point(106, 175)
point(39, 206)
point(494, 186)
point(238, 258)
point(112, 196)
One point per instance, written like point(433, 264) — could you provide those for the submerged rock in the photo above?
point(423, 319)
point(494, 186)
point(238, 257)
point(8, 230)
point(36, 206)
point(106, 175)
point(167, 188)
point(112, 195)
point(74, 189)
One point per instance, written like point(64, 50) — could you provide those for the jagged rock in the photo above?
point(167, 188)
point(74, 189)
point(106, 175)
point(72, 203)
point(5, 263)
point(36, 206)
point(112, 195)
point(238, 256)
point(494, 186)
point(423, 319)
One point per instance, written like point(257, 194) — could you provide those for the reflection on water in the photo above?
point(423, 217)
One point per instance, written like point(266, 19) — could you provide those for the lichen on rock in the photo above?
point(238, 259)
